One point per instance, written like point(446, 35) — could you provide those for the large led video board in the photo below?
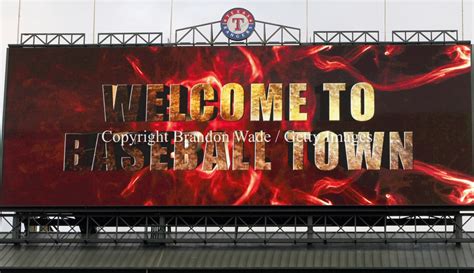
point(315, 125)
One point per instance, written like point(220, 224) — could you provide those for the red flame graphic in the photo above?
point(241, 187)
point(461, 185)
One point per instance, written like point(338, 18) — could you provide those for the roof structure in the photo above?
point(149, 257)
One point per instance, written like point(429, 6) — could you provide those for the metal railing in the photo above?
point(47, 39)
point(430, 36)
point(265, 33)
point(113, 226)
point(346, 36)
point(130, 38)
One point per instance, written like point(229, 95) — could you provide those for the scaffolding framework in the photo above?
point(231, 226)
point(425, 36)
point(130, 38)
point(265, 33)
point(48, 39)
point(331, 37)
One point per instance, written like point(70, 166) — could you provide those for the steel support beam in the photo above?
point(48, 39)
point(265, 33)
point(237, 227)
point(420, 36)
point(331, 37)
point(130, 38)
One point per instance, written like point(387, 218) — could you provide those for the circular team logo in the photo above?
point(237, 24)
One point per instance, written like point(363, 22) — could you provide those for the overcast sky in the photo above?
point(147, 15)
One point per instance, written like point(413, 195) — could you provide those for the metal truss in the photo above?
point(430, 36)
point(234, 228)
point(47, 39)
point(264, 34)
point(330, 37)
point(130, 38)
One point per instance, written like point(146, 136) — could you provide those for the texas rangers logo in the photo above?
point(237, 24)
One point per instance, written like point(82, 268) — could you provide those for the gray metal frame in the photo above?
point(130, 38)
point(430, 36)
point(368, 36)
point(42, 39)
point(247, 225)
point(265, 33)
point(162, 227)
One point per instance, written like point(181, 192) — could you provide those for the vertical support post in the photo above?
point(147, 236)
point(265, 229)
point(29, 228)
point(18, 23)
point(161, 228)
point(309, 223)
point(93, 23)
point(236, 234)
point(325, 229)
point(16, 230)
point(171, 24)
point(457, 228)
point(416, 230)
point(236, 230)
point(355, 228)
point(116, 228)
point(307, 23)
point(87, 228)
point(205, 229)
point(462, 20)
